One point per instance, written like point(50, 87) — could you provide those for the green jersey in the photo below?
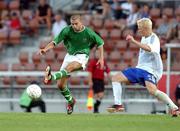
point(25, 100)
point(78, 42)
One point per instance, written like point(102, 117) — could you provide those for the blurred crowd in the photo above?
point(113, 19)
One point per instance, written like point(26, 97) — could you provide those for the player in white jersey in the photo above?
point(148, 71)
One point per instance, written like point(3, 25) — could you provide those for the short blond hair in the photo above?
point(75, 17)
point(145, 22)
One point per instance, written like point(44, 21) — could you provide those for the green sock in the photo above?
point(66, 93)
point(60, 74)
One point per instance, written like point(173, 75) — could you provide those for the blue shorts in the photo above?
point(136, 75)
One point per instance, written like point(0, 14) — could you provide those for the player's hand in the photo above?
point(41, 52)
point(130, 38)
point(101, 62)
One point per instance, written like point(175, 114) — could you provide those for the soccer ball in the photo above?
point(34, 91)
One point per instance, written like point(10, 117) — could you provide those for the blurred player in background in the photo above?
point(78, 40)
point(28, 103)
point(96, 80)
point(148, 71)
point(177, 94)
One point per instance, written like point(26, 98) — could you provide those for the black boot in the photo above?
point(96, 106)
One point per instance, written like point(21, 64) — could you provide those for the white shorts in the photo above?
point(80, 58)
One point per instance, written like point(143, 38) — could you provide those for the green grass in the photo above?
point(86, 122)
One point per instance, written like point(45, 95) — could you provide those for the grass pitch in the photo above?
point(86, 122)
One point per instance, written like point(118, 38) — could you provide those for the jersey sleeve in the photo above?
point(96, 39)
point(61, 36)
point(154, 44)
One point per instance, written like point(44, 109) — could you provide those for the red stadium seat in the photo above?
point(29, 67)
point(49, 57)
point(134, 62)
point(133, 47)
point(4, 37)
point(103, 33)
point(155, 13)
point(61, 56)
point(59, 49)
point(121, 66)
point(75, 81)
point(21, 80)
point(115, 56)
point(15, 37)
point(113, 65)
point(115, 34)
point(32, 78)
point(24, 57)
point(33, 25)
point(3, 5)
point(17, 67)
point(36, 58)
point(85, 80)
point(109, 46)
point(121, 45)
point(127, 57)
point(55, 66)
point(97, 23)
point(168, 12)
point(42, 67)
point(108, 24)
point(7, 80)
point(3, 67)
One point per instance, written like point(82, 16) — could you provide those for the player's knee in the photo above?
point(152, 91)
point(114, 78)
point(60, 85)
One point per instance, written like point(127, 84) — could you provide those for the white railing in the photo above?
point(169, 47)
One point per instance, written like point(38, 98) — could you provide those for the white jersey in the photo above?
point(151, 61)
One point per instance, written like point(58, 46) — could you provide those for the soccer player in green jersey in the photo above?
point(78, 41)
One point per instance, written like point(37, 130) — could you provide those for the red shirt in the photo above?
point(97, 73)
point(15, 24)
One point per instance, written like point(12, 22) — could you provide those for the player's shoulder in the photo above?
point(67, 29)
point(154, 36)
point(88, 29)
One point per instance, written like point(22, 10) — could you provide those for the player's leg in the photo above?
point(62, 73)
point(152, 88)
point(98, 89)
point(117, 92)
point(38, 103)
point(42, 106)
point(98, 97)
point(62, 85)
point(71, 63)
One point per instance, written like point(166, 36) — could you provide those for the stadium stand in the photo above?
point(18, 48)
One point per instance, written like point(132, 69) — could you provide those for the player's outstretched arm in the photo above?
point(143, 46)
point(45, 49)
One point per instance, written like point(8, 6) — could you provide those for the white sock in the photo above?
point(164, 97)
point(117, 92)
